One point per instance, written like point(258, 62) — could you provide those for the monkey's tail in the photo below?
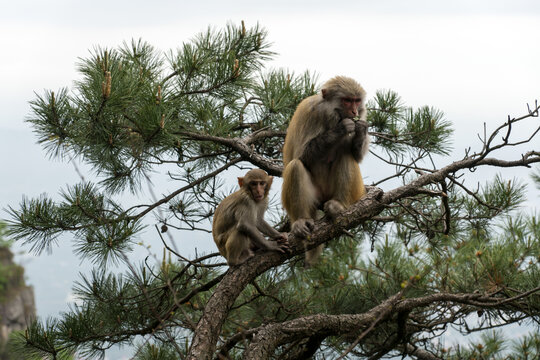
point(313, 255)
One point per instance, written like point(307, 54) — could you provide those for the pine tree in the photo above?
point(427, 254)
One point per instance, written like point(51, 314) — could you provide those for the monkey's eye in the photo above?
point(351, 100)
point(255, 183)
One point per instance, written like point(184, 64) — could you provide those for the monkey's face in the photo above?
point(258, 189)
point(350, 106)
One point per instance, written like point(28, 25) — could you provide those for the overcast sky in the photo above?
point(478, 61)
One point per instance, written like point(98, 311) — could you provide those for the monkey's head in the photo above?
point(347, 96)
point(256, 183)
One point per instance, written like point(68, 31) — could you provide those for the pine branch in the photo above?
point(241, 146)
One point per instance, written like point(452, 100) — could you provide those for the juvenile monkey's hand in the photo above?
point(279, 245)
point(282, 238)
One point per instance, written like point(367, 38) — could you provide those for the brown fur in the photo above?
point(336, 184)
point(239, 224)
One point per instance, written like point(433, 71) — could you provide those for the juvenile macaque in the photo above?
point(239, 224)
point(326, 139)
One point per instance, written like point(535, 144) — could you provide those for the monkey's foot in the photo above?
point(241, 259)
point(302, 227)
point(333, 208)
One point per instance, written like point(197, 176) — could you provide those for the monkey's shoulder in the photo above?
point(308, 106)
point(236, 205)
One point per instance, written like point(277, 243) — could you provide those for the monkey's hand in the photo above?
point(302, 227)
point(282, 238)
point(360, 144)
point(361, 127)
point(349, 126)
point(279, 245)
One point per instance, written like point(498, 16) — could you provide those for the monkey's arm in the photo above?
point(361, 140)
point(268, 230)
point(318, 147)
point(282, 239)
point(256, 236)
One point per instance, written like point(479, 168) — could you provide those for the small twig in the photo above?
point(192, 185)
point(446, 208)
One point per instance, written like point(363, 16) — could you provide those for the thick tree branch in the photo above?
point(269, 337)
point(243, 148)
point(272, 335)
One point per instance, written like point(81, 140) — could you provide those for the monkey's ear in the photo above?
point(269, 180)
point(240, 181)
point(324, 93)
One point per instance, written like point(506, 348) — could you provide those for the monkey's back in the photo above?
point(304, 126)
point(234, 207)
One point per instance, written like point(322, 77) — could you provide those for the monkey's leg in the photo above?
point(342, 186)
point(299, 197)
point(348, 186)
point(238, 248)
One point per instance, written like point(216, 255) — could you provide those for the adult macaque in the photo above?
point(326, 139)
point(239, 224)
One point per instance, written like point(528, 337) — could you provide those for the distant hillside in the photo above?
point(17, 305)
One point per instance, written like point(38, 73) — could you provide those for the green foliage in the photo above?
point(11, 274)
point(536, 177)
point(104, 231)
point(39, 341)
point(401, 129)
point(493, 345)
point(4, 242)
point(127, 110)
point(162, 351)
point(11, 277)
